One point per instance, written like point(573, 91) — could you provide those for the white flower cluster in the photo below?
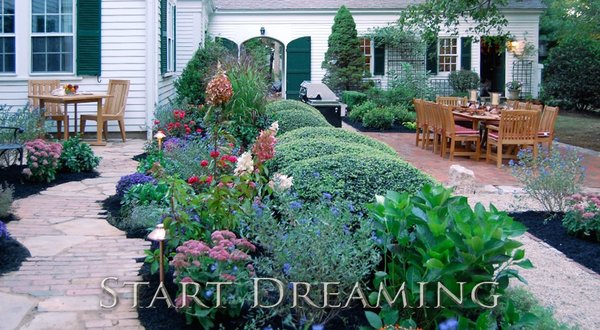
point(281, 182)
point(274, 127)
point(245, 164)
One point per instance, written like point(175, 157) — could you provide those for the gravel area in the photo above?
point(572, 290)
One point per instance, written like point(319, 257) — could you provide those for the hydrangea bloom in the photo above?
point(219, 90)
point(281, 182)
point(245, 164)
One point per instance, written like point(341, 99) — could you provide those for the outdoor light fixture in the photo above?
point(159, 234)
point(262, 31)
point(516, 47)
point(160, 136)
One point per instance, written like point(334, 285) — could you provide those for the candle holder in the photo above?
point(495, 98)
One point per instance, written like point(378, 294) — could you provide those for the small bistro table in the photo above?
point(76, 99)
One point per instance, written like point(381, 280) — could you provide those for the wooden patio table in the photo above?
point(76, 99)
point(477, 119)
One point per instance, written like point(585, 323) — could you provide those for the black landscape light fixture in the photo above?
point(262, 30)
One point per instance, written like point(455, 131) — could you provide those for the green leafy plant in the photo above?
point(142, 217)
point(401, 113)
point(520, 302)
point(331, 133)
point(6, 199)
point(285, 105)
point(77, 156)
point(405, 85)
point(436, 237)
point(145, 194)
point(292, 119)
point(357, 114)
point(462, 81)
point(379, 118)
point(344, 61)
point(582, 216)
point(353, 99)
point(551, 176)
point(29, 119)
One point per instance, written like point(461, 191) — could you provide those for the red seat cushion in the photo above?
point(543, 134)
point(466, 131)
point(493, 135)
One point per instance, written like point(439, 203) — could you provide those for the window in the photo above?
point(52, 36)
point(447, 54)
point(170, 36)
point(365, 47)
point(7, 36)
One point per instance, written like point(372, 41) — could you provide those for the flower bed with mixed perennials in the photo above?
point(273, 222)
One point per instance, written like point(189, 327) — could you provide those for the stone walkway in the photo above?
point(73, 248)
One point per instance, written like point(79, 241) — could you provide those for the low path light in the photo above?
point(159, 234)
point(159, 136)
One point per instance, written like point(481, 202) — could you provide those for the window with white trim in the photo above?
point(52, 36)
point(7, 36)
point(447, 54)
point(170, 36)
point(367, 50)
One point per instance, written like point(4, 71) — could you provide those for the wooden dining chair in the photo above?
point(421, 121)
point(113, 109)
point(52, 111)
point(451, 100)
point(435, 125)
point(517, 128)
point(453, 133)
point(546, 129)
point(536, 107)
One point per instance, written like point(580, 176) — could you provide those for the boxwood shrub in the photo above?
point(294, 118)
point(353, 98)
point(379, 118)
point(297, 150)
point(332, 133)
point(356, 177)
point(285, 105)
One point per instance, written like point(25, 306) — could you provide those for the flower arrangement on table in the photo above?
point(71, 89)
point(514, 85)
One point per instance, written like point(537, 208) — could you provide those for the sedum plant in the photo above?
point(42, 160)
point(582, 216)
point(435, 237)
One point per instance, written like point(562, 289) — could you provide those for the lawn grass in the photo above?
point(581, 130)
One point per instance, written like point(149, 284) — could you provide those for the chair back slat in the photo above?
point(421, 119)
point(548, 119)
point(451, 100)
point(44, 87)
point(519, 126)
point(448, 119)
point(536, 107)
point(115, 105)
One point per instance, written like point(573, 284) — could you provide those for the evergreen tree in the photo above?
point(344, 60)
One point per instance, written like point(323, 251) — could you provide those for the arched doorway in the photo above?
point(268, 54)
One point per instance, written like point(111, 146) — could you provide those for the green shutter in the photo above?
point(163, 36)
point(89, 37)
point(431, 60)
point(174, 38)
point(379, 59)
point(465, 53)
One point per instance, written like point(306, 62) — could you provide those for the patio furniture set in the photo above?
point(506, 129)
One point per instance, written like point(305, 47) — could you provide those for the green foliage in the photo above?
point(524, 303)
point(357, 114)
point(142, 217)
point(284, 105)
point(462, 81)
point(401, 113)
point(568, 19)
point(191, 85)
point(331, 133)
point(567, 72)
point(6, 199)
point(353, 99)
point(248, 101)
point(379, 118)
point(292, 119)
point(301, 149)
point(146, 194)
point(551, 176)
point(354, 177)
point(582, 216)
point(435, 237)
point(30, 120)
point(183, 160)
point(403, 88)
point(344, 61)
point(316, 243)
point(77, 156)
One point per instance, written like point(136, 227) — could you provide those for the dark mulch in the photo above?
point(23, 188)
point(584, 251)
point(12, 253)
point(140, 157)
point(360, 127)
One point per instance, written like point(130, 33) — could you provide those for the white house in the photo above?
point(149, 42)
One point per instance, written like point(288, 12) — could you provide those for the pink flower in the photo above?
point(214, 154)
point(44, 162)
point(192, 180)
point(228, 277)
point(34, 165)
point(588, 215)
point(264, 147)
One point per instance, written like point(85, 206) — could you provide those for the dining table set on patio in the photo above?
point(458, 127)
point(54, 98)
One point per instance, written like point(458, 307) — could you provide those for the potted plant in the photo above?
point(514, 89)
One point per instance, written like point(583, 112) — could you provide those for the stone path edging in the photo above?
point(73, 249)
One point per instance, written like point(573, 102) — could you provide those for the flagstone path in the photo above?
point(73, 248)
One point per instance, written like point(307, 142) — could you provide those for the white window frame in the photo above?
point(371, 53)
point(9, 35)
point(171, 21)
point(455, 55)
point(53, 34)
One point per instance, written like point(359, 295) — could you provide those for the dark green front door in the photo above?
point(230, 45)
point(298, 66)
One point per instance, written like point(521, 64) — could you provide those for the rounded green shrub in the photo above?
point(332, 133)
point(356, 177)
point(379, 118)
point(285, 105)
point(462, 81)
point(297, 150)
point(357, 113)
point(353, 99)
point(292, 119)
point(402, 114)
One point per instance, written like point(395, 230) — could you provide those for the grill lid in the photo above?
point(317, 91)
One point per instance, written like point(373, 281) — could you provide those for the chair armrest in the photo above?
point(493, 127)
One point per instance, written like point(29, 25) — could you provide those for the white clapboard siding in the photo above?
point(191, 25)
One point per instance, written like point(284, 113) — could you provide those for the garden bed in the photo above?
point(12, 253)
point(23, 188)
point(359, 126)
point(583, 251)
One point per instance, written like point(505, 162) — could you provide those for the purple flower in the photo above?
point(130, 180)
point(286, 269)
point(3, 231)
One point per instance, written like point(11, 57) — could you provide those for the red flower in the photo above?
point(209, 179)
point(156, 122)
point(198, 130)
point(214, 154)
point(193, 179)
point(204, 163)
point(252, 184)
